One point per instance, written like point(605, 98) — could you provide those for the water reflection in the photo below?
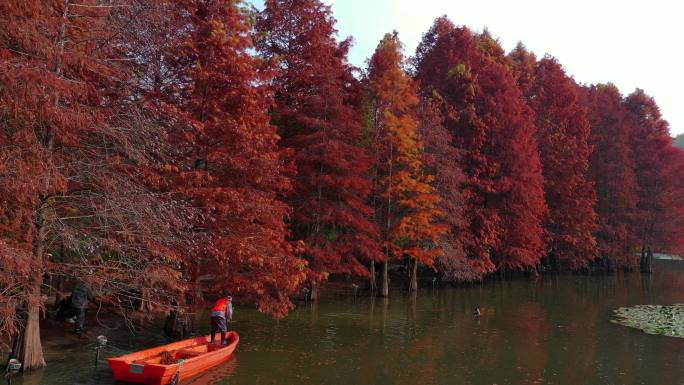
point(552, 331)
point(220, 375)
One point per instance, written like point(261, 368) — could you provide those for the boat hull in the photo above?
point(159, 365)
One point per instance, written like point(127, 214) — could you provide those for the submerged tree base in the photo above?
point(653, 319)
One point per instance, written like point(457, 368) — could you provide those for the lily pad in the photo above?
point(653, 319)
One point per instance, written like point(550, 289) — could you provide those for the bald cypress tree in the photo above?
point(485, 112)
point(318, 115)
point(611, 169)
point(562, 133)
point(409, 213)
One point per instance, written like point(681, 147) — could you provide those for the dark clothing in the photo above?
point(218, 323)
point(80, 319)
point(64, 309)
point(81, 296)
point(80, 299)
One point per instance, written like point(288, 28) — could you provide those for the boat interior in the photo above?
point(169, 357)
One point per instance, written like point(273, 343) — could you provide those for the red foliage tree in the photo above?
point(562, 133)
point(78, 164)
point(442, 159)
point(229, 164)
point(612, 172)
point(523, 64)
point(319, 118)
point(409, 210)
point(658, 221)
point(669, 225)
point(484, 110)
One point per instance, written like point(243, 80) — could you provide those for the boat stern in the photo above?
point(141, 373)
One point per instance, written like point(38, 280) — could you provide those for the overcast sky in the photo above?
point(627, 42)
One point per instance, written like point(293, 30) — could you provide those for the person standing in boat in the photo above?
point(221, 313)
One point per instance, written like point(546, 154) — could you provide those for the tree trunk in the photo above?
point(58, 280)
point(384, 288)
point(373, 278)
point(27, 347)
point(314, 292)
point(178, 322)
point(196, 288)
point(647, 263)
point(58, 284)
point(145, 302)
point(555, 263)
point(650, 260)
point(413, 283)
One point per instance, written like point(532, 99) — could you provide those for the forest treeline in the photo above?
point(164, 151)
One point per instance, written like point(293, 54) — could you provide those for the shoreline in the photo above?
point(105, 319)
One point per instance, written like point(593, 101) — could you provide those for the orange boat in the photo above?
point(158, 366)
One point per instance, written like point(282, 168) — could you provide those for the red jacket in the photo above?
point(222, 308)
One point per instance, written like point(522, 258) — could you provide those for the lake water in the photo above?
point(553, 331)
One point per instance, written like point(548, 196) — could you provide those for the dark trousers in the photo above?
point(80, 319)
point(218, 323)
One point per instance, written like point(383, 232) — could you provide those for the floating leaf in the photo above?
point(653, 319)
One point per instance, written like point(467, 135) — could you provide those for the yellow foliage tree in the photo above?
point(408, 211)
